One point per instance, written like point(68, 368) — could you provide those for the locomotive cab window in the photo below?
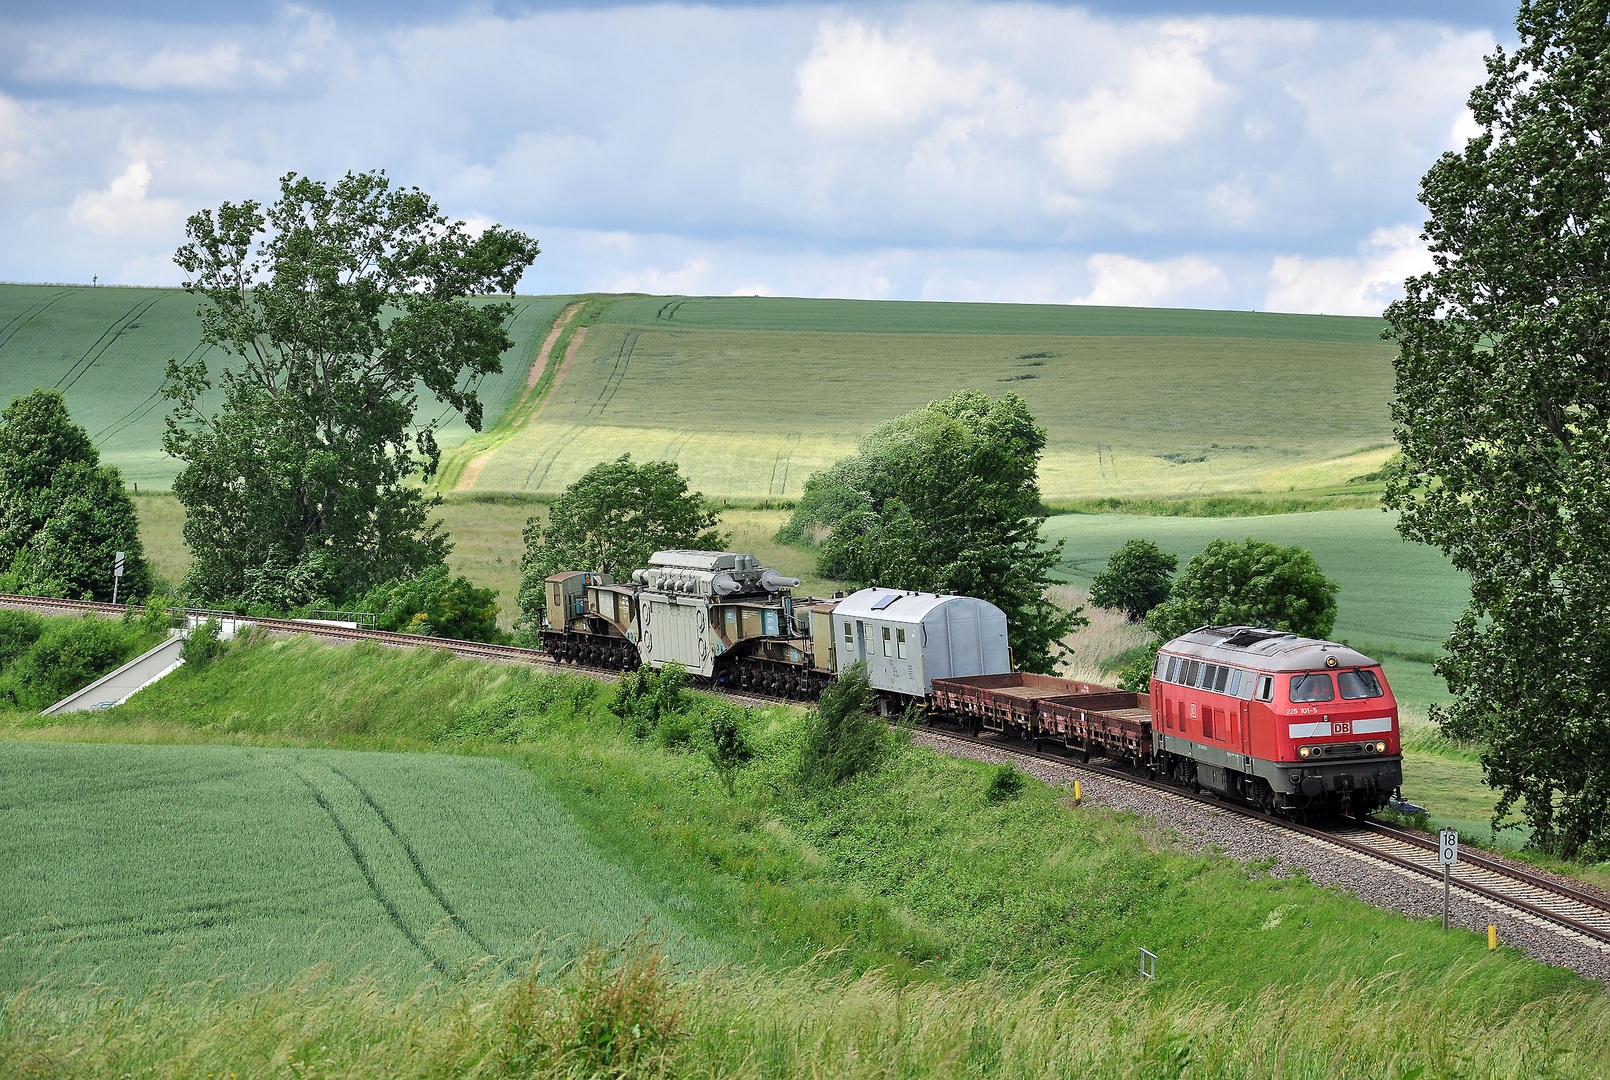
point(1315, 687)
point(1357, 685)
point(1266, 687)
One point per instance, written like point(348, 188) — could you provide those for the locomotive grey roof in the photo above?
point(1266, 650)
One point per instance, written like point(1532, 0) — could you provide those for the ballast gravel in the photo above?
point(1203, 827)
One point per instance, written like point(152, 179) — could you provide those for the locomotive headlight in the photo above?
point(1302, 751)
point(1380, 748)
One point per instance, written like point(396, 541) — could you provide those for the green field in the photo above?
point(1396, 598)
point(107, 350)
point(751, 395)
point(118, 861)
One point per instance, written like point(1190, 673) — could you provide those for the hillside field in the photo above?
point(751, 395)
point(118, 861)
point(107, 349)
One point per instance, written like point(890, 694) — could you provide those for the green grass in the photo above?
point(198, 861)
point(900, 916)
point(107, 349)
point(1397, 600)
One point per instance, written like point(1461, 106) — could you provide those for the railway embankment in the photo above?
point(908, 883)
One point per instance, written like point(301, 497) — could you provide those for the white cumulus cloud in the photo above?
point(1359, 285)
point(1122, 281)
point(124, 208)
point(858, 79)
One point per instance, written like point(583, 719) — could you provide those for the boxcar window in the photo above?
point(1359, 684)
point(900, 643)
point(1315, 687)
point(1219, 680)
point(888, 643)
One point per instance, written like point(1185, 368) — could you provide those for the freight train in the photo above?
point(1286, 723)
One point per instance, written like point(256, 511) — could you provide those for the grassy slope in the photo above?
point(909, 870)
point(107, 350)
point(751, 396)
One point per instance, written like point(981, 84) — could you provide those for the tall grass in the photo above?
point(1101, 646)
point(623, 1014)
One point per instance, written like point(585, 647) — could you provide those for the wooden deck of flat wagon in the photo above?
point(1087, 718)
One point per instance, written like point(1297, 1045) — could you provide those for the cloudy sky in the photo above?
point(1201, 154)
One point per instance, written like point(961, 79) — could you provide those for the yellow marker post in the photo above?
point(1492, 937)
point(1078, 796)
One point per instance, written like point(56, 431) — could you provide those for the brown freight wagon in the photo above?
point(1005, 703)
point(1114, 723)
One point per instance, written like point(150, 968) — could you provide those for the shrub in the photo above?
point(1256, 583)
point(729, 747)
point(1005, 783)
point(507, 715)
point(644, 697)
point(1137, 579)
point(18, 630)
point(68, 655)
point(434, 604)
point(675, 730)
point(842, 739)
point(203, 645)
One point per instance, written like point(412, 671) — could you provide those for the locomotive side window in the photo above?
point(1235, 681)
point(1359, 684)
point(1315, 687)
point(1219, 680)
point(1266, 687)
point(1173, 669)
point(1159, 667)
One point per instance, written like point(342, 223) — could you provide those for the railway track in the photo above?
point(1531, 898)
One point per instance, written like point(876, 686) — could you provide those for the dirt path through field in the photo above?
point(540, 364)
point(472, 471)
point(559, 376)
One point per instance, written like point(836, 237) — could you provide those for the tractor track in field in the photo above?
point(27, 314)
point(128, 320)
point(1558, 923)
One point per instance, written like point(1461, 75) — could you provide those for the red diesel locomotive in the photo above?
point(1280, 721)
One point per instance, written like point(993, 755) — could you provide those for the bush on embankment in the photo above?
point(900, 916)
point(42, 660)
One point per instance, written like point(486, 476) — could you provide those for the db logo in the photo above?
point(1341, 727)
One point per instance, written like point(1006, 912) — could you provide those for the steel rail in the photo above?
point(1475, 858)
point(538, 658)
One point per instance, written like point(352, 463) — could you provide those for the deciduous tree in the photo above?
point(339, 304)
point(1136, 579)
point(946, 499)
point(63, 515)
point(1503, 413)
point(609, 521)
point(1255, 584)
